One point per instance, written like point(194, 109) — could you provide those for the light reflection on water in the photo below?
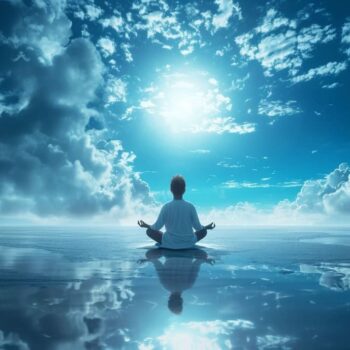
point(91, 290)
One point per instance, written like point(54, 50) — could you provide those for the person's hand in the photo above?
point(141, 223)
point(211, 226)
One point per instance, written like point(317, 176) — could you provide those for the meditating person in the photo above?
point(179, 218)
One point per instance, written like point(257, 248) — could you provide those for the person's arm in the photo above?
point(159, 222)
point(157, 225)
point(196, 223)
point(195, 220)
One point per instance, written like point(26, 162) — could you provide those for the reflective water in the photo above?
point(91, 288)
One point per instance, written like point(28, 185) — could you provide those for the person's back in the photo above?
point(179, 218)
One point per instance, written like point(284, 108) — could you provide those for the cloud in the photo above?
point(163, 27)
point(329, 69)
point(210, 335)
point(107, 46)
point(181, 26)
point(192, 102)
point(279, 43)
point(332, 276)
point(116, 90)
point(278, 108)
point(200, 151)
point(221, 125)
point(49, 164)
point(43, 29)
point(80, 307)
point(227, 8)
point(329, 196)
point(93, 12)
point(246, 184)
point(318, 202)
point(228, 165)
point(116, 22)
point(345, 36)
point(330, 86)
point(271, 341)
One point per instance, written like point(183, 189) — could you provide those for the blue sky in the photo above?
point(102, 102)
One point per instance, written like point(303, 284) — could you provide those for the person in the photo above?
point(177, 271)
point(179, 218)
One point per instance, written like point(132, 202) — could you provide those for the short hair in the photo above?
point(178, 185)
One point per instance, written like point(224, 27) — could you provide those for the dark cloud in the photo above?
point(49, 162)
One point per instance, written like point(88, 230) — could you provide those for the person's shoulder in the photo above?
point(166, 205)
point(189, 204)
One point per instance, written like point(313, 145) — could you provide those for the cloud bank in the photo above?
point(49, 163)
point(323, 201)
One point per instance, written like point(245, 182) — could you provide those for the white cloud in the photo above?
point(278, 44)
point(332, 276)
point(331, 68)
point(200, 151)
point(228, 165)
point(227, 8)
point(330, 86)
point(116, 90)
point(163, 27)
point(264, 184)
point(192, 102)
point(206, 335)
point(273, 21)
point(271, 341)
point(319, 202)
point(345, 39)
point(221, 125)
point(278, 108)
point(245, 184)
point(126, 49)
point(107, 46)
point(239, 83)
point(115, 22)
point(93, 12)
point(56, 168)
point(77, 309)
point(181, 26)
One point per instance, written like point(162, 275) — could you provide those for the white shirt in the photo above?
point(179, 218)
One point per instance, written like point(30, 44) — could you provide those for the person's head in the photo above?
point(178, 186)
point(175, 303)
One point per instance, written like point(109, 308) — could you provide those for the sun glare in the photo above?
point(182, 102)
point(187, 102)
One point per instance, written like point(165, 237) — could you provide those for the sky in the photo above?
point(102, 102)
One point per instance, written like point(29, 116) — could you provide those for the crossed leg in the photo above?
point(201, 234)
point(157, 235)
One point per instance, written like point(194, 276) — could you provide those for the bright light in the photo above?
point(182, 102)
point(188, 102)
point(187, 340)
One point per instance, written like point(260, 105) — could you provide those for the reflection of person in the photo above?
point(179, 218)
point(178, 272)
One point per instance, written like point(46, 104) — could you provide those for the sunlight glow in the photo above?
point(187, 101)
point(183, 101)
point(187, 340)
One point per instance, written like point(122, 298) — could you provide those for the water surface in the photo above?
point(93, 288)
